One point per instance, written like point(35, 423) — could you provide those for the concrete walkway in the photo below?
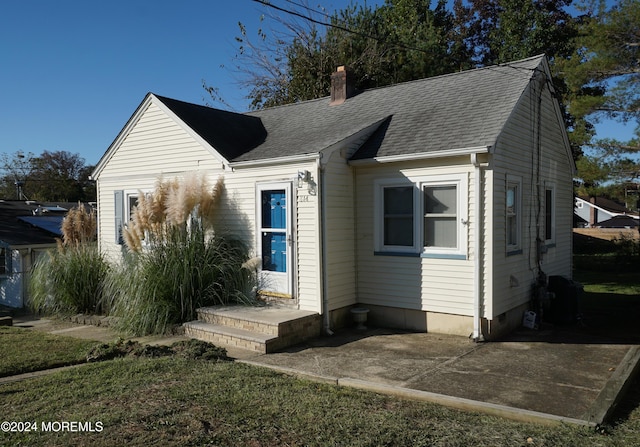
point(557, 374)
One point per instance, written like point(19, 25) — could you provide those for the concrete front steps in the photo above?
point(262, 329)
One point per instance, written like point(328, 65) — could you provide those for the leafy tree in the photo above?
point(611, 179)
point(399, 41)
point(592, 173)
point(52, 176)
point(603, 74)
point(507, 30)
point(16, 174)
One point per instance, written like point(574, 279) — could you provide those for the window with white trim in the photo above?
point(132, 202)
point(549, 214)
point(125, 202)
point(395, 216)
point(444, 215)
point(440, 216)
point(398, 216)
point(513, 214)
point(422, 216)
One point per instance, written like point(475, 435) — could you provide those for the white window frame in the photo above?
point(460, 181)
point(128, 209)
point(379, 246)
point(550, 187)
point(513, 181)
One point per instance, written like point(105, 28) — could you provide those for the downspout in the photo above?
point(323, 249)
point(477, 251)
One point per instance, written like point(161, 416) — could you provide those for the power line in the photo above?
point(336, 26)
point(310, 9)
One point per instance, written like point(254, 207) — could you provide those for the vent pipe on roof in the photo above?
point(341, 86)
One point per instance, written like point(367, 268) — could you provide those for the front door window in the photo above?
point(274, 240)
point(274, 230)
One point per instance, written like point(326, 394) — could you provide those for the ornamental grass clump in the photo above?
point(176, 261)
point(69, 279)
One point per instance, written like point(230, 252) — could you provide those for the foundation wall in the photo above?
point(434, 322)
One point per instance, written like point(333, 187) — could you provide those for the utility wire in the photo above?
point(267, 3)
point(310, 9)
point(336, 26)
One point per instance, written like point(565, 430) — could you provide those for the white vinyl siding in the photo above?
point(518, 155)
point(409, 280)
point(339, 233)
point(158, 145)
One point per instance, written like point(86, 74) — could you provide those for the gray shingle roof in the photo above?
point(456, 111)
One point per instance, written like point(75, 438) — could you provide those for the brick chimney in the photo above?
point(341, 86)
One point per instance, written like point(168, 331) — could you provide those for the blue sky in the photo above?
point(73, 72)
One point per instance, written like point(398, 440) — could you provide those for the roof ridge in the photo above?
point(444, 75)
point(414, 81)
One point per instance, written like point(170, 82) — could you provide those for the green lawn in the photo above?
point(177, 402)
point(619, 283)
point(23, 350)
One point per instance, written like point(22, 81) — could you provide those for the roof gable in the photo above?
point(604, 204)
point(223, 134)
point(231, 134)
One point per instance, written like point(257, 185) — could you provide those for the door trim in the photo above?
point(277, 284)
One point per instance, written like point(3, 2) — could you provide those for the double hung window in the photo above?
point(398, 205)
point(513, 214)
point(422, 216)
point(549, 214)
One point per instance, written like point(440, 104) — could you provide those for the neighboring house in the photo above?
point(621, 222)
point(437, 203)
point(27, 229)
point(591, 212)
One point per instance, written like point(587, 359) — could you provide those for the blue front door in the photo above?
point(274, 230)
point(274, 237)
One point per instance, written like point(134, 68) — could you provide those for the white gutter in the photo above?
point(274, 161)
point(323, 249)
point(423, 155)
point(477, 251)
